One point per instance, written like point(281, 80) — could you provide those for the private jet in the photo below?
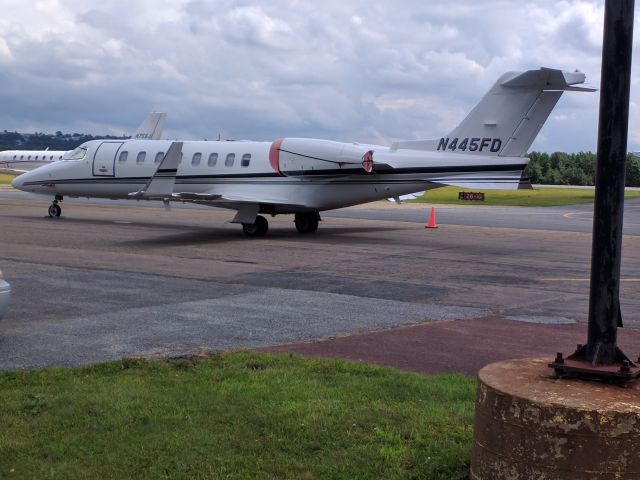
point(304, 177)
point(16, 162)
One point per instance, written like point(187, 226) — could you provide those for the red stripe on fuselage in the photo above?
point(274, 155)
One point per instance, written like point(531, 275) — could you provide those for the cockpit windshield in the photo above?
point(77, 154)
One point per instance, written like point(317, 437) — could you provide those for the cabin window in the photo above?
point(29, 157)
point(21, 157)
point(229, 160)
point(195, 160)
point(159, 157)
point(60, 157)
point(246, 159)
point(36, 157)
point(51, 157)
point(123, 157)
point(213, 159)
point(140, 158)
point(15, 156)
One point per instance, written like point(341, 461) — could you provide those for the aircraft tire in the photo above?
point(306, 222)
point(54, 210)
point(257, 229)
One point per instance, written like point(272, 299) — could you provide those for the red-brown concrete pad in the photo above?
point(456, 346)
point(529, 424)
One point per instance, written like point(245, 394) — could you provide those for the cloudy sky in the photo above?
point(346, 70)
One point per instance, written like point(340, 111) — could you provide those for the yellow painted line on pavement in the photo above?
point(577, 214)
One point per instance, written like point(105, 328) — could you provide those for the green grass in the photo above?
point(539, 197)
point(235, 416)
point(6, 179)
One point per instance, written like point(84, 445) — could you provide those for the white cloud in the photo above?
point(253, 26)
point(354, 70)
point(5, 52)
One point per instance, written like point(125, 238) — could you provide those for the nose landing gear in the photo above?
point(54, 209)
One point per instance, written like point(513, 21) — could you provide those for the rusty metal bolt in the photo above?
point(559, 358)
point(625, 367)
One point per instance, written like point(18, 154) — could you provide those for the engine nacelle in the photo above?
point(304, 156)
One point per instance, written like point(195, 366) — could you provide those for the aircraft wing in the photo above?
point(247, 206)
point(160, 185)
point(11, 171)
point(17, 167)
point(235, 199)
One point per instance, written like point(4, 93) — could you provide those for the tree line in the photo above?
point(561, 168)
point(42, 141)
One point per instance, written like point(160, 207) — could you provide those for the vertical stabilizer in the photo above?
point(509, 117)
point(152, 127)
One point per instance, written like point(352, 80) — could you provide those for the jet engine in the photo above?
point(303, 156)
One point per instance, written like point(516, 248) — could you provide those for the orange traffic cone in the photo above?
point(432, 219)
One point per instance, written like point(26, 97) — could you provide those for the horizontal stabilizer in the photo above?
point(497, 180)
point(547, 79)
point(471, 185)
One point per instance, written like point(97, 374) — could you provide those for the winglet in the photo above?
point(162, 182)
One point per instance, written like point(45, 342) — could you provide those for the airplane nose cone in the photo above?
point(18, 182)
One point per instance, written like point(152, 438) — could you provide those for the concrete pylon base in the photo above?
point(529, 425)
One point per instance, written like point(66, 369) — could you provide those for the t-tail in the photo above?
point(488, 149)
point(508, 118)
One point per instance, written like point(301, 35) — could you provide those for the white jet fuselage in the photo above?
point(285, 176)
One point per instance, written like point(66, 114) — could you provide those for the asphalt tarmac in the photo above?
point(574, 218)
point(109, 280)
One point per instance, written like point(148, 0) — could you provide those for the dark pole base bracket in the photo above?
point(580, 365)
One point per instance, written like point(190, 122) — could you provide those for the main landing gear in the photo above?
point(307, 222)
point(54, 209)
point(257, 229)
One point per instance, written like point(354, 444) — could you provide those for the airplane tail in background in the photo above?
point(152, 127)
point(508, 118)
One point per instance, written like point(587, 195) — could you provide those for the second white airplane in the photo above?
point(17, 162)
point(306, 176)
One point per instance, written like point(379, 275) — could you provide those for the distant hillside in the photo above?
point(42, 141)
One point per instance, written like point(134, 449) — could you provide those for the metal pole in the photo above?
point(604, 303)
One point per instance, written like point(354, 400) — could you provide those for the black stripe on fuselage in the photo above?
point(363, 176)
point(407, 170)
point(408, 181)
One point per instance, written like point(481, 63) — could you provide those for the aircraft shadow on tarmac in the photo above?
point(212, 234)
point(199, 235)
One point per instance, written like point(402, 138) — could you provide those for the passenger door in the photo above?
point(104, 159)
